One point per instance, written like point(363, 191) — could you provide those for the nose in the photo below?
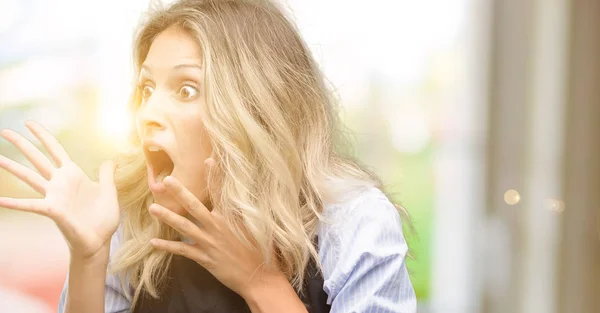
point(150, 118)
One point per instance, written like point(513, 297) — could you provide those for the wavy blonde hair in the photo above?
point(280, 147)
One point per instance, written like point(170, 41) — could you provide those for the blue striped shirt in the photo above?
point(362, 252)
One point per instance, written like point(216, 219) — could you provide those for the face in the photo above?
point(169, 117)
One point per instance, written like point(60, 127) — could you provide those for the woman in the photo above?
point(249, 203)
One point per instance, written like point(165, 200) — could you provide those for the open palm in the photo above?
point(86, 212)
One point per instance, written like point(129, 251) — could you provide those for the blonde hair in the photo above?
point(277, 139)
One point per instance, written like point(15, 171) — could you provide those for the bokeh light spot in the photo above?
point(512, 197)
point(554, 205)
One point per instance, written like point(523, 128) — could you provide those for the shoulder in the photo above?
point(365, 229)
point(359, 212)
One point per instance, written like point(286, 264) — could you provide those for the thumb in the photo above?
point(106, 174)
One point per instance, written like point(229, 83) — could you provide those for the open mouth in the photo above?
point(160, 164)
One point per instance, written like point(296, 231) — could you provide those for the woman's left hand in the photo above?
point(215, 246)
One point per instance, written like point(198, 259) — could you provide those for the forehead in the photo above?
point(171, 47)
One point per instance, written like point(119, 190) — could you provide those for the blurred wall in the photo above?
point(579, 255)
point(543, 158)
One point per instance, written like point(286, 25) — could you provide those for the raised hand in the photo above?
point(86, 212)
point(216, 248)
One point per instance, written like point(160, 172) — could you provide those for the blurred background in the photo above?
point(482, 117)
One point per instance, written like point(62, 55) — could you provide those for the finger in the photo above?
point(51, 144)
point(33, 154)
point(25, 174)
point(106, 174)
point(187, 199)
point(37, 206)
point(178, 222)
point(180, 248)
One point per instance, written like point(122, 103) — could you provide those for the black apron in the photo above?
point(192, 289)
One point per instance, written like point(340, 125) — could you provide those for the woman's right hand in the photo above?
point(86, 212)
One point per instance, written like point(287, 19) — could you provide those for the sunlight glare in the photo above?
point(114, 122)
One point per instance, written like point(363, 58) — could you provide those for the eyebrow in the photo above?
point(176, 67)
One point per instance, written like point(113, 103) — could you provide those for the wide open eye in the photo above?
point(147, 92)
point(187, 92)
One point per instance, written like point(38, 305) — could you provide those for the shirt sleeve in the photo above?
point(115, 300)
point(363, 258)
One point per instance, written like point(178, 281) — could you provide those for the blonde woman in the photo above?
point(237, 195)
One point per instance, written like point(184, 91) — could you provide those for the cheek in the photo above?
point(194, 148)
point(190, 119)
point(196, 145)
point(193, 176)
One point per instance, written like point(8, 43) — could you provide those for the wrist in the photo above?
point(272, 293)
point(262, 285)
point(87, 276)
point(99, 258)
